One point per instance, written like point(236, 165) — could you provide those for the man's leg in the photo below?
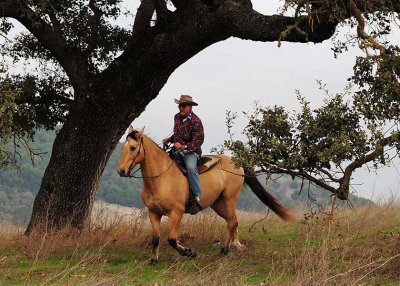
point(193, 175)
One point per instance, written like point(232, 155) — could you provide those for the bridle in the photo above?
point(144, 154)
point(134, 159)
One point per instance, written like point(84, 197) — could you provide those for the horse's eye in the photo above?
point(133, 148)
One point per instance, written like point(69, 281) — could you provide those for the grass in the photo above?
point(352, 247)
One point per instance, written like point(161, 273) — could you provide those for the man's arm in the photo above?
point(198, 136)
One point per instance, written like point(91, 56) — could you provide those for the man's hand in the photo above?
point(165, 141)
point(178, 146)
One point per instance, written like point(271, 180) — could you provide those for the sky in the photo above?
point(234, 74)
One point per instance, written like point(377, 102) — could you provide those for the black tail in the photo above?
point(267, 199)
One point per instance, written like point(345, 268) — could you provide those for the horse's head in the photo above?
point(132, 152)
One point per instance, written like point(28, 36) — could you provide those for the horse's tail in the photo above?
point(267, 198)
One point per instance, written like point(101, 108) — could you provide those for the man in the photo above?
point(188, 137)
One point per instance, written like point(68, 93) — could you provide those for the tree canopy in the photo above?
point(88, 67)
point(13, 127)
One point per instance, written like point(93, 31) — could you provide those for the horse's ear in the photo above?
point(130, 129)
point(141, 133)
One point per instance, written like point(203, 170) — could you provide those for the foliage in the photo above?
point(7, 105)
point(378, 99)
point(88, 27)
point(45, 89)
point(13, 125)
point(324, 145)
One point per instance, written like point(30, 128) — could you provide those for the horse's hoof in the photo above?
point(239, 246)
point(224, 250)
point(188, 252)
point(153, 261)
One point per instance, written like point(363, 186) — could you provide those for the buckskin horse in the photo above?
point(166, 191)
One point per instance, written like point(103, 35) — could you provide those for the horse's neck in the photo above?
point(155, 161)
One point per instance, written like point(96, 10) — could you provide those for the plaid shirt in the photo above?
point(188, 131)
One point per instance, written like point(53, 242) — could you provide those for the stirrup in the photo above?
point(193, 207)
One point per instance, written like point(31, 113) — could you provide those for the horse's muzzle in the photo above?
point(122, 173)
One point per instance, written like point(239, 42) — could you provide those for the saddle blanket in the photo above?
point(205, 163)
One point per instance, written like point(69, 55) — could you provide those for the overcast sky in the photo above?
point(234, 74)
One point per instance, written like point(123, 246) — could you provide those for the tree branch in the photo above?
point(143, 17)
point(56, 24)
point(248, 24)
point(179, 4)
point(367, 39)
point(93, 22)
point(377, 5)
point(50, 37)
point(329, 175)
point(161, 9)
point(345, 180)
point(303, 174)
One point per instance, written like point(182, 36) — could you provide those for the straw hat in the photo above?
point(185, 99)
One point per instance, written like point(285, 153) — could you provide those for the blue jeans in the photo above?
point(190, 160)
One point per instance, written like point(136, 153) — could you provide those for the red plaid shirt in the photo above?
point(188, 131)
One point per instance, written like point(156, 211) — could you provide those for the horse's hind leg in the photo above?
point(174, 223)
point(227, 210)
point(155, 220)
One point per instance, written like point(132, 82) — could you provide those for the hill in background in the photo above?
point(17, 190)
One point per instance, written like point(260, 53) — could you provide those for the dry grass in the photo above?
point(360, 247)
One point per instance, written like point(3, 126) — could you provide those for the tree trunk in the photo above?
point(80, 152)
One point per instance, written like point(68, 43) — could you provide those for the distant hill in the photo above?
point(17, 190)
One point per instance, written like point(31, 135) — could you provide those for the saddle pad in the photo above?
point(205, 163)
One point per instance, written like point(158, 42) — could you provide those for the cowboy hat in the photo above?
point(185, 99)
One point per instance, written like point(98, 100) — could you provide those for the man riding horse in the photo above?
point(188, 137)
point(165, 188)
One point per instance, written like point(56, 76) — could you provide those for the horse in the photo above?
point(166, 191)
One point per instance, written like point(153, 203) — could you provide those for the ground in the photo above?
point(352, 247)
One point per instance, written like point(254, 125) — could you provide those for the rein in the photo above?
point(150, 177)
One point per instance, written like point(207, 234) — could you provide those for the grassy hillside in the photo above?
point(350, 248)
point(17, 190)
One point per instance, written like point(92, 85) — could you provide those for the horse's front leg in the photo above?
point(155, 220)
point(174, 223)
